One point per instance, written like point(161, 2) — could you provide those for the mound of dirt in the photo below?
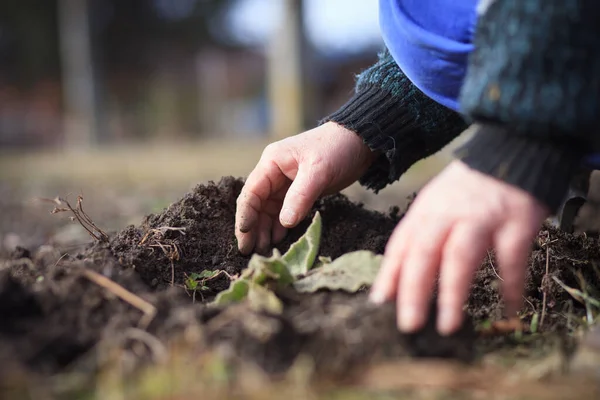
point(197, 233)
point(53, 314)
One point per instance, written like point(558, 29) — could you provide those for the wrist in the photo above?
point(539, 166)
point(358, 149)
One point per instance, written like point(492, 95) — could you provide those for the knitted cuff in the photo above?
point(403, 128)
point(540, 167)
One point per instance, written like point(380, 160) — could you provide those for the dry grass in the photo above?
point(175, 168)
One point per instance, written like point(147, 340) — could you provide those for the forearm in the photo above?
point(533, 91)
point(396, 120)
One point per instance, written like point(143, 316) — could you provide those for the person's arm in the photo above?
point(396, 120)
point(533, 92)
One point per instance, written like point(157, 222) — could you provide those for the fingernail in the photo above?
point(409, 318)
point(446, 322)
point(376, 298)
point(288, 217)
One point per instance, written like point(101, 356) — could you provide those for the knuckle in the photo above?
point(271, 150)
point(316, 160)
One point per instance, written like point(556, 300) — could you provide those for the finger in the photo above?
point(271, 232)
point(262, 182)
point(513, 245)
point(246, 241)
point(463, 253)
point(386, 283)
point(303, 192)
point(263, 242)
point(260, 235)
point(279, 232)
point(419, 272)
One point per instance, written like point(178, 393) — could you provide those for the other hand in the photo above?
point(448, 230)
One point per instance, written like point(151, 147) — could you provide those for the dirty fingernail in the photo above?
point(288, 217)
point(409, 318)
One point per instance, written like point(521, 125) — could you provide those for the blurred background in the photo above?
point(133, 102)
point(81, 73)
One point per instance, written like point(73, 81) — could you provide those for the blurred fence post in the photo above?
point(81, 122)
point(286, 73)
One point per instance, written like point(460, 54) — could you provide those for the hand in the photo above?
point(290, 176)
point(454, 220)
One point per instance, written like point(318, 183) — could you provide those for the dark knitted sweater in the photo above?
point(533, 89)
point(395, 119)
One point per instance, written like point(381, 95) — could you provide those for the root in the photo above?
point(155, 238)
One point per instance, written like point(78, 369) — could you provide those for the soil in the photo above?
point(54, 316)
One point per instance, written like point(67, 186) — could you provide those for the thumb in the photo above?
point(309, 184)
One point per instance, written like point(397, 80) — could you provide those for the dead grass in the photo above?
point(175, 168)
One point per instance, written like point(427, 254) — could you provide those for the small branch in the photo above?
point(493, 268)
point(545, 287)
point(578, 295)
point(148, 309)
point(79, 215)
point(161, 231)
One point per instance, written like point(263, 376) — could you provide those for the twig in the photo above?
point(148, 309)
point(157, 348)
point(88, 219)
point(578, 294)
point(545, 287)
point(60, 259)
point(502, 280)
point(493, 268)
point(79, 215)
point(161, 231)
point(530, 303)
point(172, 273)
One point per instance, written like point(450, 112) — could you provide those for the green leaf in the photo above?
point(261, 269)
point(191, 283)
point(301, 255)
point(262, 299)
point(282, 270)
point(348, 273)
point(236, 292)
point(258, 297)
point(206, 274)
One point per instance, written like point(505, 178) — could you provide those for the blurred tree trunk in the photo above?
point(82, 121)
point(287, 73)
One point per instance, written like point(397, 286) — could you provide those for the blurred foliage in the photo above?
point(126, 33)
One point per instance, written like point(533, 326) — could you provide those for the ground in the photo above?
point(112, 317)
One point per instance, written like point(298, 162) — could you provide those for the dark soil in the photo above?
point(53, 316)
point(207, 214)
